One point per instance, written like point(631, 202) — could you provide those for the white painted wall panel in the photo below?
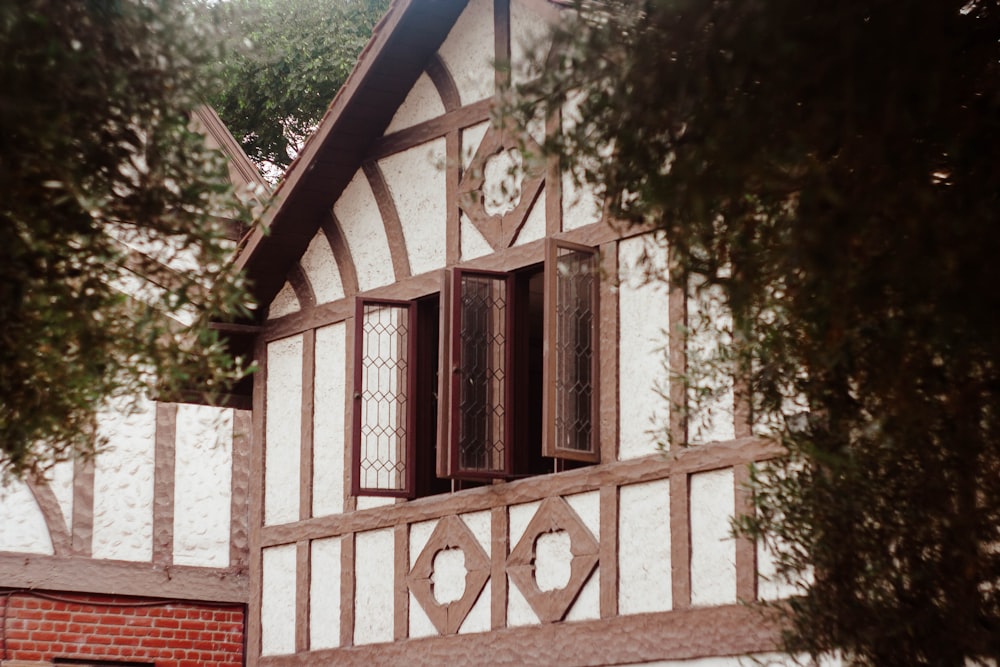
point(328, 420)
point(324, 594)
point(321, 268)
point(472, 136)
point(644, 583)
point(468, 52)
point(23, 525)
point(421, 103)
point(416, 179)
point(713, 548)
point(534, 225)
point(123, 485)
point(519, 612)
point(284, 303)
point(529, 30)
point(203, 466)
point(711, 418)
point(61, 483)
point(473, 243)
point(644, 318)
point(587, 606)
point(362, 224)
point(277, 604)
point(283, 427)
point(373, 600)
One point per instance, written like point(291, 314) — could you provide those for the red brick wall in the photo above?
point(170, 634)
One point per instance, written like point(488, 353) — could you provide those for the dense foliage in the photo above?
point(113, 220)
point(831, 169)
point(290, 58)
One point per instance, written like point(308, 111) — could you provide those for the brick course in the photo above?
point(169, 634)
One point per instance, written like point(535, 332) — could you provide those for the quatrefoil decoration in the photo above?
point(450, 533)
point(553, 515)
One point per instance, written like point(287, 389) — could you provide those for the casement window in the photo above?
point(513, 356)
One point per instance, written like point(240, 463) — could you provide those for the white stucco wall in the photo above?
point(581, 206)
point(416, 179)
point(529, 30)
point(421, 103)
point(472, 136)
point(321, 268)
point(283, 427)
point(361, 222)
point(644, 582)
point(23, 524)
point(203, 464)
point(473, 243)
point(328, 420)
point(713, 549)
point(468, 52)
point(534, 225)
point(324, 594)
point(519, 612)
point(123, 485)
point(478, 620)
point(374, 590)
point(284, 303)
point(61, 482)
point(644, 326)
point(277, 604)
point(420, 624)
point(710, 419)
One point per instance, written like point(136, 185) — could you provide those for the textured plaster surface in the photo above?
point(374, 586)
point(519, 612)
point(203, 464)
point(472, 136)
point(529, 31)
point(324, 594)
point(277, 605)
point(588, 507)
point(534, 224)
point(420, 624)
point(23, 524)
point(448, 575)
point(713, 549)
point(284, 303)
point(503, 181)
point(371, 502)
point(61, 482)
point(416, 180)
point(588, 602)
point(361, 221)
point(581, 206)
point(421, 103)
point(321, 268)
point(711, 419)
point(123, 485)
point(478, 619)
point(283, 430)
point(479, 524)
point(644, 583)
point(473, 243)
point(328, 421)
point(643, 309)
point(552, 560)
point(468, 52)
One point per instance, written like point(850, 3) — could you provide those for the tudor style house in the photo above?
point(462, 390)
point(454, 453)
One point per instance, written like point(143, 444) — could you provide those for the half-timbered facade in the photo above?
point(462, 391)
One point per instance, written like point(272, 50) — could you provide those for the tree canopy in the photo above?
point(114, 219)
point(289, 59)
point(830, 169)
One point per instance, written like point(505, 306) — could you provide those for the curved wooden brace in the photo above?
point(55, 522)
point(390, 220)
point(334, 233)
point(299, 281)
point(439, 75)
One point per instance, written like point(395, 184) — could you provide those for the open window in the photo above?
point(513, 355)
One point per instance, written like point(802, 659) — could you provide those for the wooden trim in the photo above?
point(401, 592)
point(299, 281)
point(334, 233)
point(609, 551)
point(746, 550)
point(55, 523)
point(303, 573)
point(501, 43)
point(83, 506)
point(680, 540)
point(239, 535)
point(633, 471)
point(732, 630)
point(439, 75)
point(742, 415)
point(453, 177)
point(347, 585)
point(499, 551)
point(163, 483)
point(420, 133)
point(677, 353)
point(307, 409)
point(390, 220)
point(349, 500)
point(76, 574)
point(553, 179)
point(255, 510)
point(608, 330)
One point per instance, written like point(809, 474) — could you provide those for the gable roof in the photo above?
point(392, 61)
